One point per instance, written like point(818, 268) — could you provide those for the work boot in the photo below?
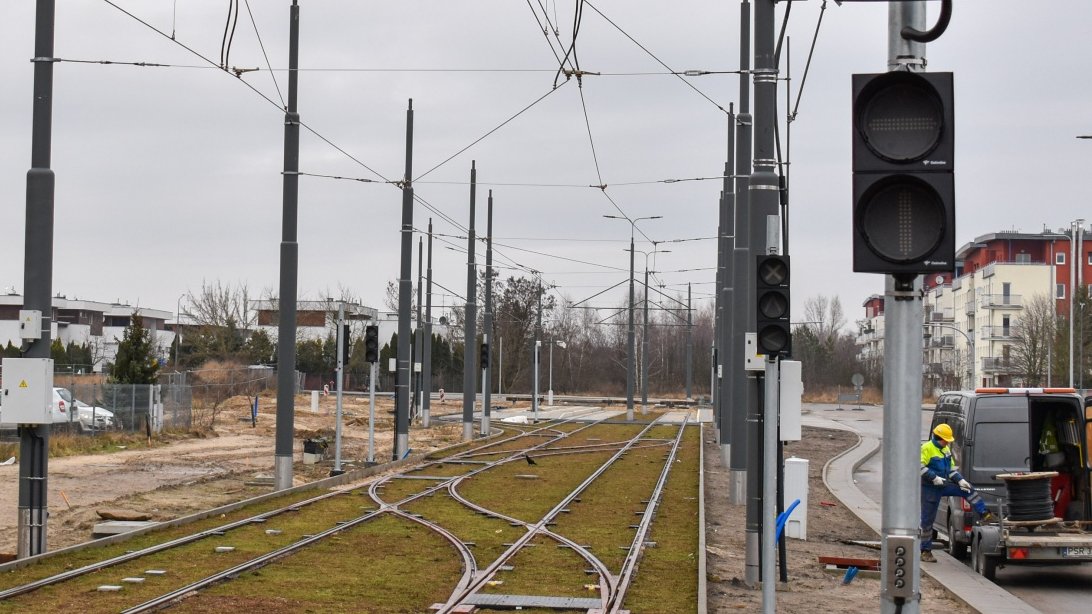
point(988, 517)
point(927, 556)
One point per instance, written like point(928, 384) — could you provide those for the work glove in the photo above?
point(938, 481)
point(965, 486)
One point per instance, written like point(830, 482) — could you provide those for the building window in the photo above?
point(1024, 258)
point(1089, 257)
point(1059, 258)
point(1059, 291)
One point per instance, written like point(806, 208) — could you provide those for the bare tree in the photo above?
point(1032, 334)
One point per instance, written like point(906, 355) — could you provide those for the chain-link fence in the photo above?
point(136, 408)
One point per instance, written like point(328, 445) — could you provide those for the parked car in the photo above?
point(95, 418)
point(63, 402)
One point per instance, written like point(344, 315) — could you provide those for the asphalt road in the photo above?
point(1050, 589)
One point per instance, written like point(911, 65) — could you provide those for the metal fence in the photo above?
point(136, 408)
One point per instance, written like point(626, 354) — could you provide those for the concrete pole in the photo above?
point(426, 371)
point(487, 331)
point(289, 274)
point(644, 348)
point(630, 333)
point(689, 345)
point(1072, 292)
point(729, 359)
point(903, 351)
point(550, 386)
point(405, 293)
point(741, 387)
point(500, 365)
point(37, 283)
point(470, 333)
point(419, 342)
point(535, 350)
point(341, 341)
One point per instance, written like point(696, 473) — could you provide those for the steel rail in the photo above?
point(638, 547)
point(538, 527)
point(470, 563)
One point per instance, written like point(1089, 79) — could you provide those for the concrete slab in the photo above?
point(116, 527)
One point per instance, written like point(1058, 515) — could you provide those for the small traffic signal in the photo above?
point(345, 344)
point(903, 173)
point(371, 344)
point(484, 357)
point(772, 294)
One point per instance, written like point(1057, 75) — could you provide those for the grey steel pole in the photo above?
point(341, 340)
point(550, 387)
point(1072, 291)
point(470, 335)
point(289, 274)
point(769, 485)
point(725, 292)
point(487, 324)
point(904, 313)
point(740, 389)
point(371, 413)
point(631, 344)
point(644, 348)
point(405, 293)
point(426, 370)
point(500, 365)
point(535, 351)
point(38, 282)
point(689, 344)
point(419, 341)
point(763, 200)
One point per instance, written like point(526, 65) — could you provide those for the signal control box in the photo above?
point(27, 395)
point(899, 567)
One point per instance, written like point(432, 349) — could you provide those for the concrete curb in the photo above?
point(958, 579)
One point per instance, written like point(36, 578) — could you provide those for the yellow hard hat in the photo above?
point(944, 432)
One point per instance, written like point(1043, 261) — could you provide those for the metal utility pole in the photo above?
point(689, 344)
point(644, 347)
point(372, 374)
point(1076, 230)
point(405, 293)
point(538, 335)
point(631, 373)
point(471, 316)
point(903, 312)
point(500, 365)
point(728, 359)
point(763, 201)
point(419, 342)
point(38, 282)
point(286, 329)
point(341, 341)
point(742, 386)
point(426, 370)
point(487, 324)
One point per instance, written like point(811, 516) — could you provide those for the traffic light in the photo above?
point(772, 294)
point(903, 174)
point(484, 357)
point(371, 344)
point(345, 344)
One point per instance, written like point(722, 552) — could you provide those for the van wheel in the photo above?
point(983, 563)
point(955, 548)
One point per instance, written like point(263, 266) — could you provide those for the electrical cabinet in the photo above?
point(27, 391)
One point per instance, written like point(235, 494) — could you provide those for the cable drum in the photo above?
point(1029, 495)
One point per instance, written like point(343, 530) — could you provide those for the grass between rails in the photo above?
point(666, 581)
point(189, 562)
point(388, 565)
point(394, 490)
point(499, 489)
point(57, 564)
point(487, 534)
point(544, 568)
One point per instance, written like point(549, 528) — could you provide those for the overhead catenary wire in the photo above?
point(265, 55)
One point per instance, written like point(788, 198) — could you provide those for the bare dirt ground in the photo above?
point(185, 473)
point(810, 588)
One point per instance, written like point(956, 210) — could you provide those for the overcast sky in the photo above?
point(170, 176)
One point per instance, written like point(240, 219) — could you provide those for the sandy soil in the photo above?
point(187, 473)
point(810, 588)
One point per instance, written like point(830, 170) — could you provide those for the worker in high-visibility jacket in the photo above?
point(939, 478)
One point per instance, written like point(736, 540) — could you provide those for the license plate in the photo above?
point(1077, 552)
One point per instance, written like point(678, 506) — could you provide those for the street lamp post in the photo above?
point(630, 374)
point(1074, 226)
point(550, 392)
point(644, 334)
point(177, 329)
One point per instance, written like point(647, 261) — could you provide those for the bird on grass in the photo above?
point(530, 461)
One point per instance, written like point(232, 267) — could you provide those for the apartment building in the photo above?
point(971, 316)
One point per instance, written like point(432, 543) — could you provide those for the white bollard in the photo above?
point(796, 487)
point(314, 401)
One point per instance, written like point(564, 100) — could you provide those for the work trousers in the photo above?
point(930, 502)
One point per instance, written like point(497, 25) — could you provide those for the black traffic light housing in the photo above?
point(483, 358)
point(371, 344)
point(345, 343)
point(903, 173)
point(772, 297)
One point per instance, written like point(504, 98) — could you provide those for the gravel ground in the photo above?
point(810, 587)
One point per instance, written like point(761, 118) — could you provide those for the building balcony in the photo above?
point(942, 315)
point(996, 332)
point(998, 365)
point(1001, 301)
point(969, 307)
point(945, 341)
